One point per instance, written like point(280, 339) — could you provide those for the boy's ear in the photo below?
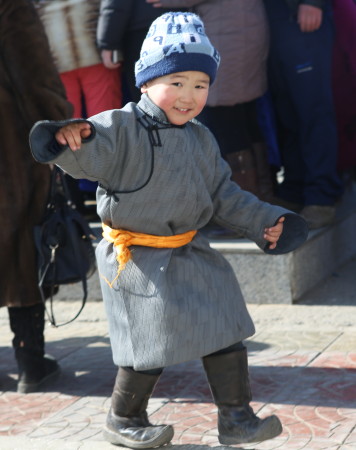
point(144, 88)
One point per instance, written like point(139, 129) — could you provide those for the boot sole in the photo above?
point(28, 388)
point(163, 438)
point(272, 429)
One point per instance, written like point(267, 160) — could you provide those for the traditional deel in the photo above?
point(168, 305)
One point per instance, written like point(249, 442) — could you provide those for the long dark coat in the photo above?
point(30, 90)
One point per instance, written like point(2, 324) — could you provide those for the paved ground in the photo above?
point(302, 366)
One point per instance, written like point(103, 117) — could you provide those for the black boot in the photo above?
point(35, 368)
point(229, 383)
point(127, 422)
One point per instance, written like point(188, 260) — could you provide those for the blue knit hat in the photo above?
point(176, 42)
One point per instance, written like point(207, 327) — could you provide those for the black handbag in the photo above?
point(64, 243)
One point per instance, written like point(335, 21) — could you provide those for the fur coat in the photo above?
point(30, 90)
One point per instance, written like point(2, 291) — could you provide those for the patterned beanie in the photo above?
point(176, 42)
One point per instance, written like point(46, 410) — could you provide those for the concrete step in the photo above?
point(277, 279)
point(286, 278)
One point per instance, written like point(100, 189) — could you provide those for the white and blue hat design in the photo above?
point(176, 42)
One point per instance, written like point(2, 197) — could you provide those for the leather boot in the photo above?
point(244, 171)
point(127, 422)
point(229, 383)
point(264, 174)
point(35, 368)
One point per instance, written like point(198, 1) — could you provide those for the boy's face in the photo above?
point(181, 95)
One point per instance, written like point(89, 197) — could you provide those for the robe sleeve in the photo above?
point(98, 158)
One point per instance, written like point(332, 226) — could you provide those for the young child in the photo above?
point(169, 297)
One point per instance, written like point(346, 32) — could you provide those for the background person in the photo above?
point(122, 27)
point(239, 31)
point(344, 85)
point(31, 90)
point(300, 79)
point(90, 86)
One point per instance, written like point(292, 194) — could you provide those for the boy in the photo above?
point(161, 178)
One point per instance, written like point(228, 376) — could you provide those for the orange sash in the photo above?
point(122, 239)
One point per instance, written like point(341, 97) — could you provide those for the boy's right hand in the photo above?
point(72, 134)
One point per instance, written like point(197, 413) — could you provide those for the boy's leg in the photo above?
point(228, 377)
point(127, 422)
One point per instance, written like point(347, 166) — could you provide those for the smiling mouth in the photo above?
point(182, 109)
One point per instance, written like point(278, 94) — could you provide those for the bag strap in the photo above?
point(50, 314)
point(50, 264)
point(58, 174)
point(65, 188)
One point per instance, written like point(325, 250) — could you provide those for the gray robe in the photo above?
point(168, 305)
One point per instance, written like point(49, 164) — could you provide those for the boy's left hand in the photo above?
point(272, 234)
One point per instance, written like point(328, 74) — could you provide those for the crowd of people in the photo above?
point(198, 78)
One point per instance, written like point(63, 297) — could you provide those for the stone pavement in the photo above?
point(302, 367)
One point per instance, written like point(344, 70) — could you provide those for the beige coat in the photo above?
point(239, 30)
point(71, 29)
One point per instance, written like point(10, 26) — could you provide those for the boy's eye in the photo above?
point(177, 83)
